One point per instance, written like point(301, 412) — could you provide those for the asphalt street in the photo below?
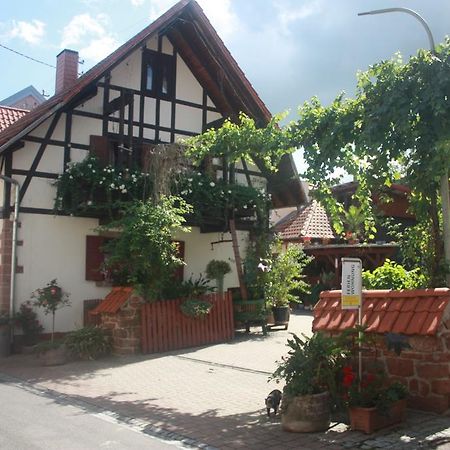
point(31, 421)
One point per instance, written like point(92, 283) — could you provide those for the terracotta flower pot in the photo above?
point(370, 420)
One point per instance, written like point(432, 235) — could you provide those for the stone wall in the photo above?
point(125, 327)
point(424, 369)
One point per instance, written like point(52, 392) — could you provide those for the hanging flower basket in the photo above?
point(370, 420)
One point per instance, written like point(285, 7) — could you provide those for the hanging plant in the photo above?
point(196, 308)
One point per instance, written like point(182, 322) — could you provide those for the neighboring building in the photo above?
point(10, 115)
point(171, 80)
point(28, 98)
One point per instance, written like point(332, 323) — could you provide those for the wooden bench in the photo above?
point(250, 312)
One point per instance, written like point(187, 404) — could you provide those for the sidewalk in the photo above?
point(212, 396)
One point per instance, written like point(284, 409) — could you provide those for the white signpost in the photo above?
point(351, 283)
point(351, 297)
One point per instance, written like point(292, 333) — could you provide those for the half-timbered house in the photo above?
point(172, 80)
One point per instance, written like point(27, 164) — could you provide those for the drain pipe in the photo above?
point(14, 246)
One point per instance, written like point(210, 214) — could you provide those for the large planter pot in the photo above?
point(54, 356)
point(369, 420)
point(306, 413)
point(281, 315)
point(5, 340)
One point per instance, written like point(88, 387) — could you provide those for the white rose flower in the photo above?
point(212, 184)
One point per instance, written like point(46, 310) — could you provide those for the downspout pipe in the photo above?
point(14, 246)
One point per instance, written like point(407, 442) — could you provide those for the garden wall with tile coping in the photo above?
point(422, 317)
point(137, 326)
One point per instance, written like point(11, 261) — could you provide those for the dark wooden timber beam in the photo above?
point(125, 98)
point(39, 154)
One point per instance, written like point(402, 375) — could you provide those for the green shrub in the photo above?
point(195, 308)
point(393, 276)
point(88, 342)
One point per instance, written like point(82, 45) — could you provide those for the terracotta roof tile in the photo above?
point(114, 300)
point(10, 115)
point(402, 322)
point(430, 324)
point(407, 312)
point(415, 326)
point(309, 221)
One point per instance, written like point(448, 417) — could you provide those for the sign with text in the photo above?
point(351, 283)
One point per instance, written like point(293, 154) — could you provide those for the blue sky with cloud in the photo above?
point(289, 49)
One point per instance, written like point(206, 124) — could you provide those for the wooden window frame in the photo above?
point(159, 61)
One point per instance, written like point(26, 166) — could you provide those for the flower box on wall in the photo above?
point(370, 420)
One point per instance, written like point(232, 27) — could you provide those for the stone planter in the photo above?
point(54, 356)
point(306, 413)
point(5, 340)
point(370, 420)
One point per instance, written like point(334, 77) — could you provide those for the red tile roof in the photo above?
point(10, 115)
point(415, 312)
point(309, 221)
point(114, 300)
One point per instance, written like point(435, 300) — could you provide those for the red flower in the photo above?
point(349, 376)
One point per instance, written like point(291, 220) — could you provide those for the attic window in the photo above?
point(158, 74)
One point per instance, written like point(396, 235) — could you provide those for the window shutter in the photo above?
point(99, 146)
point(94, 257)
point(179, 271)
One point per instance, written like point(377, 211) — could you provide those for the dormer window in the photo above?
point(158, 74)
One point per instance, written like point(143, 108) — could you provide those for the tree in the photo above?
point(396, 128)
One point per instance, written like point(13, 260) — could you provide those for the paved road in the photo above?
point(212, 395)
point(32, 420)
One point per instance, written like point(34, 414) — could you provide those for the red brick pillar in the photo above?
point(5, 263)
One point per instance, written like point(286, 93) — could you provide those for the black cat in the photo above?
point(273, 401)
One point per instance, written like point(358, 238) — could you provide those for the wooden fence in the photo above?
point(165, 327)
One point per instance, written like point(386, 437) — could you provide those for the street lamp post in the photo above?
point(444, 189)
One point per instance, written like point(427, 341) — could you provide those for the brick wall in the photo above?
point(125, 327)
point(5, 266)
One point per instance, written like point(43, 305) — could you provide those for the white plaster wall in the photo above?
point(152, 43)
point(166, 47)
point(188, 118)
point(164, 136)
point(128, 72)
point(94, 104)
point(77, 155)
point(83, 127)
point(211, 116)
point(149, 110)
point(58, 132)
point(41, 193)
point(165, 111)
point(54, 247)
point(187, 86)
point(24, 157)
point(198, 253)
point(52, 160)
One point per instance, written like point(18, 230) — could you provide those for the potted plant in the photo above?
point(283, 275)
point(51, 298)
point(88, 342)
point(373, 402)
point(26, 319)
point(5, 334)
point(310, 371)
point(216, 270)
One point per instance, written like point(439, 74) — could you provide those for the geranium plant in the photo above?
point(51, 298)
point(373, 390)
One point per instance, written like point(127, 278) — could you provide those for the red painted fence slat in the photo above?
point(165, 327)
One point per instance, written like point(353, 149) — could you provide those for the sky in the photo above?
point(290, 50)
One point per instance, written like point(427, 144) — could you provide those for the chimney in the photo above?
point(66, 70)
